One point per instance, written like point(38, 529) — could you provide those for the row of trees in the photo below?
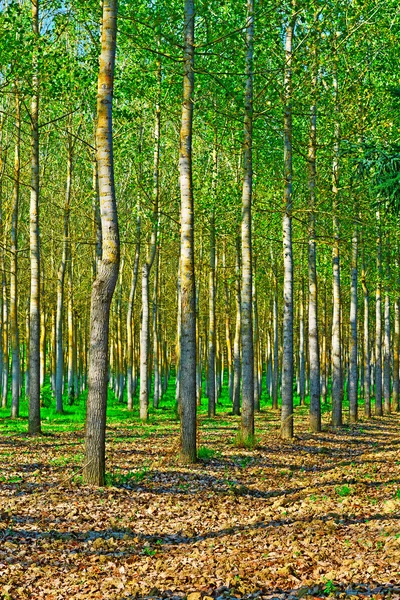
point(288, 111)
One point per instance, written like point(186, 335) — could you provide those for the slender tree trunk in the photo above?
point(211, 389)
point(386, 355)
point(34, 342)
point(187, 369)
point(5, 342)
point(227, 325)
point(156, 333)
point(287, 358)
point(71, 338)
point(14, 331)
point(396, 342)
point(256, 338)
point(378, 325)
point(247, 423)
point(302, 366)
point(107, 273)
point(2, 169)
point(236, 340)
point(129, 319)
point(275, 326)
point(367, 359)
point(353, 350)
point(60, 286)
point(53, 354)
point(387, 339)
point(313, 334)
point(337, 375)
point(145, 324)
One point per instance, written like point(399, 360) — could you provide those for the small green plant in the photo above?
point(205, 453)
point(139, 475)
point(397, 494)
point(313, 498)
point(147, 551)
point(117, 478)
point(330, 588)
point(249, 442)
point(343, 490)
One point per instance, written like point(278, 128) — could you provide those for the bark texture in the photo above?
point(187, 365)
point(108, 266)
point(34, 250)
point(247, 423)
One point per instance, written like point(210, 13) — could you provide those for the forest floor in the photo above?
point(318, 516)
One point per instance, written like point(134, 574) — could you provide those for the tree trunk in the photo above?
point(71, 339)
point(129, 319)
point(156, 333)
point(247, 423)
point(256, 342)
point(5, 342)
point(302, 366)
point(60, 286)
point(367, 359)
point(396, 342)
point(107, 273)
point(187, 369)
point(145, 323)
point(378, 325)
point(227, 324)
point(353, 350)
point(211, 374)
point(236, 340)
point(275, 327)
point(313, 334)
point(287, 358)
point(386, 339)
point(34, 426)
point(14, 331)
point(337, 376)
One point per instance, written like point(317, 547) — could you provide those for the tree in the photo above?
point(187, 368)
point(247, 423)
point(287, 360)
point(34, 321)
point(108, 266)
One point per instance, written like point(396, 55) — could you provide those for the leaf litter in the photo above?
point(316, 517)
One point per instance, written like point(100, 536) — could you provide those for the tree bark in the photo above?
point(287, 358)
point(386, 355)
point(107, 272)
point(236, 340)
point(396, 342)
point(353, 350)
point(378, 324)
point(5, 342)
point(129, 319)
point(247, 422)
point(337, 375)
point(313, 333)
point(151, 253)
point(34, 425)
point(60, 286)
point(14, 330)
point(187, 368)
point(367, 357)
point(227, 324)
